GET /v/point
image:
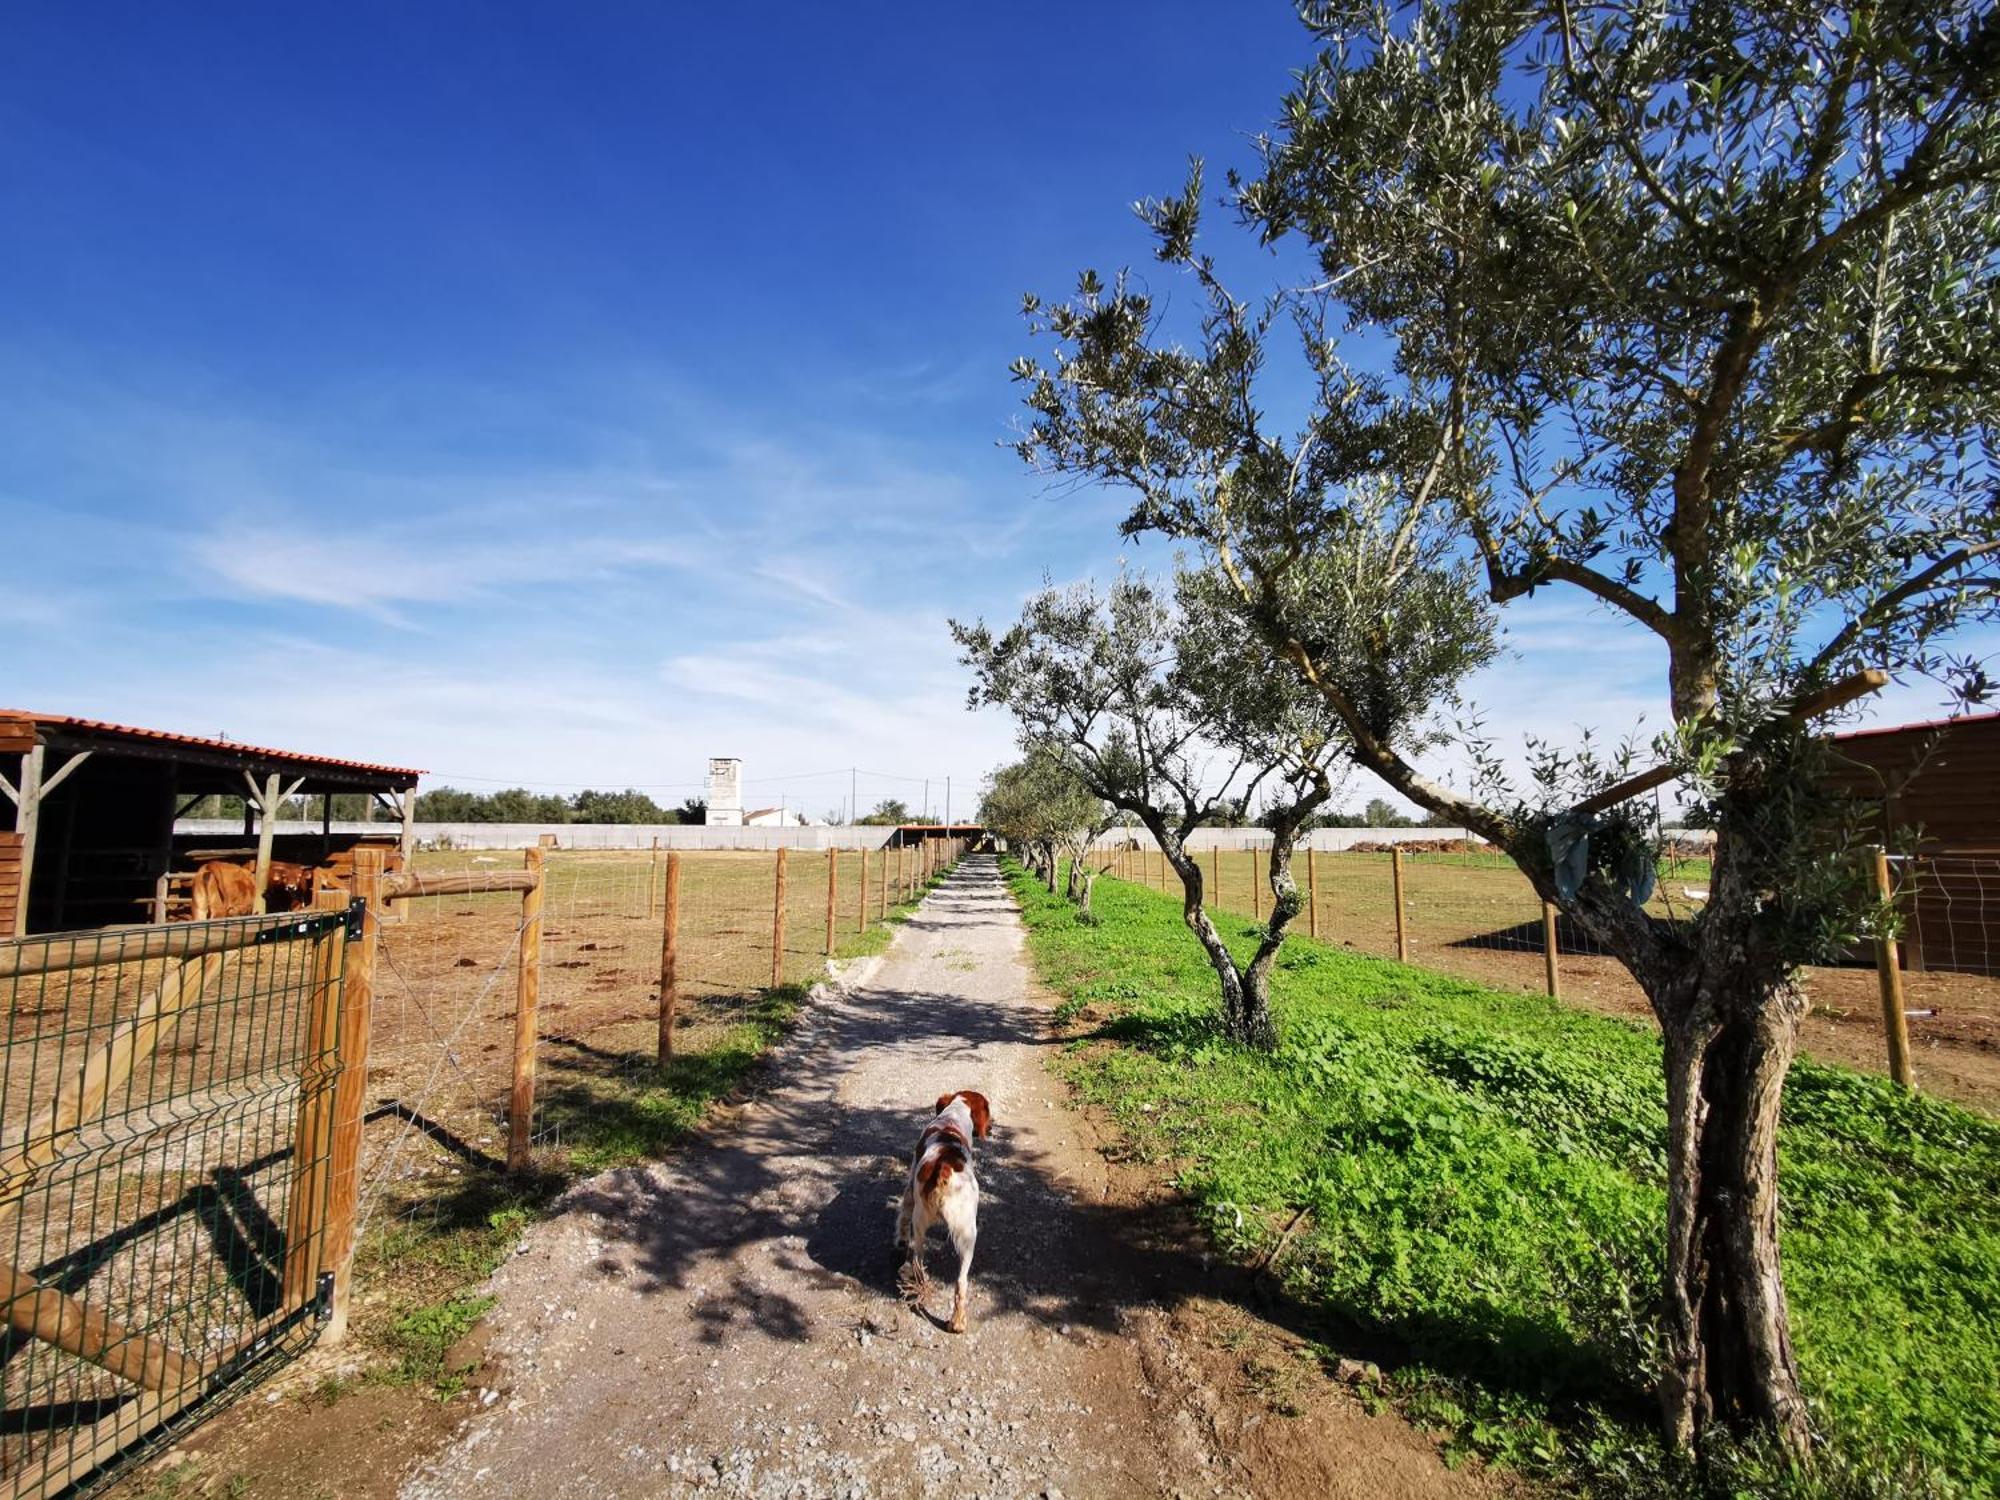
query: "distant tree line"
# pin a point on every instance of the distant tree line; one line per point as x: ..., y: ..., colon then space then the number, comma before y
x: 516, y: 804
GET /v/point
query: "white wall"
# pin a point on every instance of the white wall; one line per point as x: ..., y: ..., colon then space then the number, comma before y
x: 574, y: 835
x: 1260, y: 838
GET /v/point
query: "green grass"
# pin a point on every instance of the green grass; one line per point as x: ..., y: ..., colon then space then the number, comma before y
x: 1482, y: 1175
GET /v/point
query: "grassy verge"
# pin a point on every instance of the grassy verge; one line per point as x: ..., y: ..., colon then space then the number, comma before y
x: 419, y: 1269
x: 1472, y: 1184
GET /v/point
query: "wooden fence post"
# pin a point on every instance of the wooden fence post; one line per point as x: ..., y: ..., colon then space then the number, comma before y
x: 778, y: 921
x: 670, y: 939
x: 312, y: 1137
x: 653, y: 878
x: 527, y: 1020
x: 1257, y: 886
x: 1312, y: 890
x: 882, y: 895
x: 832, y: 894
x: 861, y: 897
x: 1549, y: 949
x: 350, y: 1090
x: 1889, y: 970
x: 1215, y: 868
x: 1396, y: 884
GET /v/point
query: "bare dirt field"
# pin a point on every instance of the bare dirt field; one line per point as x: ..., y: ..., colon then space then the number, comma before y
x: 1476, y: 916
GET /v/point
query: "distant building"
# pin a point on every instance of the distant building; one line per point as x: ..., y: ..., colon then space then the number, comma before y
x: 775, y: 817
x: 725, y: 792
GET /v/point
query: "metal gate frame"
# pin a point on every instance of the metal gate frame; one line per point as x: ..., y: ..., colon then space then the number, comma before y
x: 147, y: 1123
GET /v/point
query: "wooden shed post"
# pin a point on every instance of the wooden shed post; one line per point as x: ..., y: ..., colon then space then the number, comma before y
x: 266, y: 798
x: 27, y: 815
x: 1396, y: 891
x: 527, y: 1020
x: 1889, y: 972
x: 350, y: 1090
x: 406, y: 841
x: 778, y: 920
x: 670, y: 957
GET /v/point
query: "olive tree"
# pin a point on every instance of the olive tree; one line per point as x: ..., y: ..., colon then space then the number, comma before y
x: 1042, y: 807
x: 1689, y: 310
x: 1149, y: 701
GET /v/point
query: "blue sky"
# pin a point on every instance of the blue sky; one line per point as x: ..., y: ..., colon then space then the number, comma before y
x: 564, y: 394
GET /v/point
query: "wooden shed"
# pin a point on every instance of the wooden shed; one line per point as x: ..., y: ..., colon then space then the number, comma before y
x: 95, y: 806
x: 1939, y: 780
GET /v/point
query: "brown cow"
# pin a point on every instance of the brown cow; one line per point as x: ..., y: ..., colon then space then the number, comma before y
x: 222, y: 889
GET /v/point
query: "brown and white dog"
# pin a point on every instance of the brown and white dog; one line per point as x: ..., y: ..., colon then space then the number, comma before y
x: 942, y: 1189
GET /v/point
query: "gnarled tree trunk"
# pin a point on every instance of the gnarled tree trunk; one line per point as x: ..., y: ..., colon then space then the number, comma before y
x: 1728, y: 1347
x: 1729, y: 1015
x: 1239, y: 1023
x: 1286, y: 904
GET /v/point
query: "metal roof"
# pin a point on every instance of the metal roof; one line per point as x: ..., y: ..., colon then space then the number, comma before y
x: 164, y: 738
x: 1860, y: 734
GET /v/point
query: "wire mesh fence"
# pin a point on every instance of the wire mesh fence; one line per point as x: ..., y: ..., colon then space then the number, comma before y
x: 200, y: 1121
x: 642, y: 957
x: 165, y: 1144
x: 1468, y: 911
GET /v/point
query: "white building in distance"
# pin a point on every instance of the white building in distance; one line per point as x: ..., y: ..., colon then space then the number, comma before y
x: 725, y: 792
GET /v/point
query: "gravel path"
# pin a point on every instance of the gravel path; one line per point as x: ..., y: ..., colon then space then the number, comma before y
x: 727, y: 1322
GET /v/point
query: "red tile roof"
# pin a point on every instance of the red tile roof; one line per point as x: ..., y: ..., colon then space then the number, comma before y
x: 202, y: 742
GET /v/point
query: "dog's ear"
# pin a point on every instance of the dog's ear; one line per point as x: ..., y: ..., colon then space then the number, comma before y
x: 943, y: 1100
x: 982, y: 1113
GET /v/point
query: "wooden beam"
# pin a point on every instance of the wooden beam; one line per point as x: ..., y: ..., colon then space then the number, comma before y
x: 126, y: 945
x: 312, y: 1136
x: 62, y: 774
x: 57, y: 1318
x: 350, y: 1092
x: 404, y: 884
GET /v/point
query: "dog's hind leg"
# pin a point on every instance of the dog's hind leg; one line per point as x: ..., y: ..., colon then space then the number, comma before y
x: 961, y: 1219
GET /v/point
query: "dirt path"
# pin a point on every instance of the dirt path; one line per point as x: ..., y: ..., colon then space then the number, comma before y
x: 727, y: 1323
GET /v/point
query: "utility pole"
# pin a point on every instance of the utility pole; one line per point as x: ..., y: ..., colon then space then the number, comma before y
x: 853, y: 797
x: 927, y: 799
x: 947, y: 804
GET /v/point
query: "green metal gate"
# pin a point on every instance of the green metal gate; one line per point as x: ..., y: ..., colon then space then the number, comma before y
x: 167, y: 1109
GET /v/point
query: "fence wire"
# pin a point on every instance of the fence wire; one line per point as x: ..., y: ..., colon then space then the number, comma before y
x: 161, y: 1206
x: 1468, y: 911
x: 448, y: 979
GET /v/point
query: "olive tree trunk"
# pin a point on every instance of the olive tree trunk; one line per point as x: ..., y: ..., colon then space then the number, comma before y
x: 1727, y: 1333
x: 1729, y: 1013
x: 1238, y: 1022
x: 1286, y: 904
